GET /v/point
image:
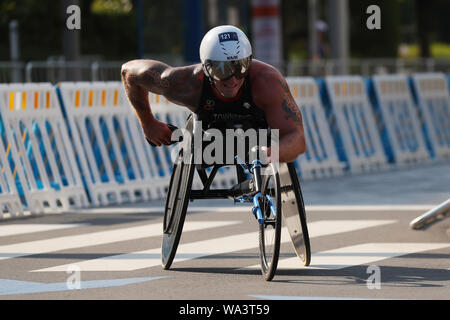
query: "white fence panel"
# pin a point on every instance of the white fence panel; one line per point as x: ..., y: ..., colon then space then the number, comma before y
x: 9, y: 195
x: 40, y: 147
x: 400, y: 117
x: 433, y: 98
x: 10, y: 202
x: 356, y: 123
x: 111, y: 147
x: 320, y: 159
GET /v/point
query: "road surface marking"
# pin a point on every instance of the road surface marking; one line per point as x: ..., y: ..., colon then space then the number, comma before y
x: 248, y: 208
x: 144, y: 210
x: 98, y: 238
x: 152, y: 258
x: 9, y: 287
x: 16, y: 229
x: 388, y: 207
x: 356, y: 255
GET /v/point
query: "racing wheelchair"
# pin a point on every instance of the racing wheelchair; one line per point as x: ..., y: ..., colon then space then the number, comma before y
x: 275, y: 195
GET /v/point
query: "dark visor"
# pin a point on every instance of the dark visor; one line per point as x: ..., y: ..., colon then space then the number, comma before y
x: 222, y: 70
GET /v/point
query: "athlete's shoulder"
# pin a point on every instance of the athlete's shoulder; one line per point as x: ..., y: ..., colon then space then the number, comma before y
x: 185, y: 85
x: 263, y: 75
x: 179, y: 75
x: 264, y: 79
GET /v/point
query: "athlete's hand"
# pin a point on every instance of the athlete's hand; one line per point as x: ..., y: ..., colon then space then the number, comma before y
x: 158, y: 133
x: 265, y: 154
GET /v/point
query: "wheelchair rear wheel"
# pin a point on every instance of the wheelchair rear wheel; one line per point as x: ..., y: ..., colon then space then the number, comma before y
x: 176, y: 204
x: 175, y: 210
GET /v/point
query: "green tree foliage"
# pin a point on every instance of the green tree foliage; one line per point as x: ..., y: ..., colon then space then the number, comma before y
x: 112, y: 7
x: 295, y: 28
x: 107, y: 30
x: 375, y: 43
x: 163, y: 27
x: 109, y: 27
x: 39, y: 31
x: 440, y: 22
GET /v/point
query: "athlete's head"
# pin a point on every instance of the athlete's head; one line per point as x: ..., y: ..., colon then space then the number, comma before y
x: 226, y: 55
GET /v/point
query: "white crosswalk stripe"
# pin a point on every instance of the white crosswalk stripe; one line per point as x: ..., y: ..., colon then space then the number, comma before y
x: 19, y: 229
x: 356, y: 255
x: 97, y: 238
x: 368, y: 253
x: 151, y: 258
x: 334, y: 259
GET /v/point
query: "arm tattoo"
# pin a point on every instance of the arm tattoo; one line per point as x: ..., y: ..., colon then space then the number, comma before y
x: 285, y: 87
x: 289, y: 107
x: 291, y: 111
x: 185, y: 86
x: 155, y: 77
x: 180, y: 85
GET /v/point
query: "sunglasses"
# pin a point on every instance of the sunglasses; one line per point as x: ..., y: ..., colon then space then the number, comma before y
x: 224, y: 70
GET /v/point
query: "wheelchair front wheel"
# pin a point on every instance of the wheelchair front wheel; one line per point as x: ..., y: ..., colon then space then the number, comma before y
x: 270, y: 229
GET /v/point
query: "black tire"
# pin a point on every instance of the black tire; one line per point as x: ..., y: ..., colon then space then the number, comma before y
x: 175, y: 211
x: 270, y: 230
x: 176, y: 204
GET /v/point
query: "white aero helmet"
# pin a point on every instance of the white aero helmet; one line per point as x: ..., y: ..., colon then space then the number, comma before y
x: 225, y: 51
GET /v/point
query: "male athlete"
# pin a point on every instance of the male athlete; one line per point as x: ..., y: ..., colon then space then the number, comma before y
x: 227, y: 86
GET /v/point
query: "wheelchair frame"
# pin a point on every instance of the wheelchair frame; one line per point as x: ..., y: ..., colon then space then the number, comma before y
x: 292, y: 206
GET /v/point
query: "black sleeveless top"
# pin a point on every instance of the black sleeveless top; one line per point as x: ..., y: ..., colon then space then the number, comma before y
x: 238, y: 112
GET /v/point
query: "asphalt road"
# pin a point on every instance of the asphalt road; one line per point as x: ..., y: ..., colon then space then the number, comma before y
x: 360, y: 250
x: 356, y: 253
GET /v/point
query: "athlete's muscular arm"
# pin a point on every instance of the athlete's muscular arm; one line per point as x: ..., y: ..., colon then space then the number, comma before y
x: 180, y: 85
x: 272, y: 94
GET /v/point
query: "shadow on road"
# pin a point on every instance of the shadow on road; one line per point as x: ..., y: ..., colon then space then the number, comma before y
x: 391, y: 276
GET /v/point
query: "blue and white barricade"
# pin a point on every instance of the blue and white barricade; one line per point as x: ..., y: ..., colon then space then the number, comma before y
x: 320, y: 158
x: 431, y: 91
x: 36, y: 135
x: 116, y: 161
x: 353, y: 124
x: 10, y: 201
x: 402, y: 134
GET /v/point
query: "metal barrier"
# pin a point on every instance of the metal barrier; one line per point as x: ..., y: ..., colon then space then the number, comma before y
x: 320, y: 159
x: 11, y: 72
x: 57, y: 71
x: 60, y: 70
x: 432, y: 96
x: 353, y: 124
x: 94, y: 69
x: 106, y: 70
x: 402, y: 138
x: 364, y: 67
x: 36, y: 135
